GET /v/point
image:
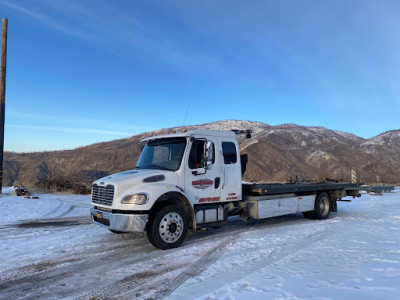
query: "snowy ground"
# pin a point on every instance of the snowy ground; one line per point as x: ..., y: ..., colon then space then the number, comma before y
x: 50, y: 250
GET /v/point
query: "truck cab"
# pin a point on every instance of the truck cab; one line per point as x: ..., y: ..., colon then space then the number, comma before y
x: 181, y: 181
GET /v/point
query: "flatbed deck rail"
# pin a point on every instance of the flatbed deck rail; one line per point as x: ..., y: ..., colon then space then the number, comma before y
x: 259, y: 189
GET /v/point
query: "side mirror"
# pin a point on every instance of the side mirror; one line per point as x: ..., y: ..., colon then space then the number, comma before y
x: 207, y: 159
x: 209, y: 154
x: 199, y: 171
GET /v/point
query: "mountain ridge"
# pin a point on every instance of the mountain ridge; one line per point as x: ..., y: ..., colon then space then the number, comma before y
x: 277, y: 153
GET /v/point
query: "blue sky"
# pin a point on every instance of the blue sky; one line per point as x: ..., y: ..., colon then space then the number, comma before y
x: 87, y: 71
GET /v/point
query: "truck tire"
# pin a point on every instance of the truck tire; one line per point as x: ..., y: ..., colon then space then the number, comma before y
x: 322, y: 208
x: 167, y: 228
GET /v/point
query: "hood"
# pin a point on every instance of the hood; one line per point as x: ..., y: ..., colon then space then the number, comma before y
x: 133, y: 176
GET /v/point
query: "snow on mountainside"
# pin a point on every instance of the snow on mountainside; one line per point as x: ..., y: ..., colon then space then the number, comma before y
x: 349, y: 136
x: 300, y: 134
x: 387, y: 138
x: 385, y: 148
x: 257, y: 127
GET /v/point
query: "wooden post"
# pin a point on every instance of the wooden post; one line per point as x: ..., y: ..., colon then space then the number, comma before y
x: 353, y: 176
x: 3, y: 95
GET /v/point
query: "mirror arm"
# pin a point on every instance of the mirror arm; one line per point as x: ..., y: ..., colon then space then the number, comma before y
x: 195, y: 172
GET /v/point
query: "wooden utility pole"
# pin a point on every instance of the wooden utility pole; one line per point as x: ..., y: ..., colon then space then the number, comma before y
x: 3, y: 95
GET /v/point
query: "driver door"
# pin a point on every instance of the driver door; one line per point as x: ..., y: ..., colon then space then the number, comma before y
x: 202, y: 180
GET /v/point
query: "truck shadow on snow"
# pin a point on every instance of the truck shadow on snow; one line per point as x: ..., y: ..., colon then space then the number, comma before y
x: 233, y: 227
x: 236, y: 226
x: 55, y: 222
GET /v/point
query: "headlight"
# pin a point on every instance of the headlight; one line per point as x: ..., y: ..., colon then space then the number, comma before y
x: 135, y: 199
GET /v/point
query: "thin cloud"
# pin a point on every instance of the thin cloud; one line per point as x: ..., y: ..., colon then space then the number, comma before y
x: 72, y: 130
x: 80, y: 121
x: 53, y: 23
x: 129, y: 33
x: 126, y: 32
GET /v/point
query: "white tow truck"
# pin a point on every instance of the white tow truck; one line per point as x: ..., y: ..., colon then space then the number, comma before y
x: 193, y: 179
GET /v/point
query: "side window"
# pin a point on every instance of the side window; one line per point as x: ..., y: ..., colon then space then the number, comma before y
x: 229, y: 152
x: 196, y: 156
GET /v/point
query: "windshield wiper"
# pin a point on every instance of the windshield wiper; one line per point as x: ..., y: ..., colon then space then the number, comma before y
x: 156, y: 167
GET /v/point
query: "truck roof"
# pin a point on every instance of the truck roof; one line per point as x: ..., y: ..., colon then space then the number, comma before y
x: 189, y: 133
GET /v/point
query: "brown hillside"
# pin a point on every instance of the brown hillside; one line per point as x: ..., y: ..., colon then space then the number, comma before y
x: 276, y: 154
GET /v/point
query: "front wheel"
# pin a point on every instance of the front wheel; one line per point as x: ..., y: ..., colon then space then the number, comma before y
x: 167, y: 228
x: 322, y: 208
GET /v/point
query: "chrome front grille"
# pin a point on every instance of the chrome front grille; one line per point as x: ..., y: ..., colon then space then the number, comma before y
x: 103, y: 194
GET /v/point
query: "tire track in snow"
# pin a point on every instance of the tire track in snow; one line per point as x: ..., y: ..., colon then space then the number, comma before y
x: 70, y: 209
x: 200, y: 265
x: 34, y: 278
x: 61, y: 203
x: 195, y: 269
x: 130, y: 282
x: 205, y: 261
x: 137, y: 284
x: 108, y: 244
x: 279, y: 253
x: 32, y: 269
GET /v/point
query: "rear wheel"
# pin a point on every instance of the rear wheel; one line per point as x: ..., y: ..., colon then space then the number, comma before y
x: 322, y: 208
x: 167, y: 228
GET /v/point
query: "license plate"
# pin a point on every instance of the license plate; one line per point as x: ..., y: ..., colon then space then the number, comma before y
x: 99, y: 214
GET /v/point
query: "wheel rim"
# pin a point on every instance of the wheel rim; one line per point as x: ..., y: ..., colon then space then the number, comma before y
x: 324, y: 206
x: 171, y: 227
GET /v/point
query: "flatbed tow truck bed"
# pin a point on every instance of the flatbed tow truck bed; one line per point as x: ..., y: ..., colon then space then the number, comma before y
x: 271, y: 200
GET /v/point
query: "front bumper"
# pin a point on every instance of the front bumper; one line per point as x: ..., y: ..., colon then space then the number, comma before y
x: 119, y: 222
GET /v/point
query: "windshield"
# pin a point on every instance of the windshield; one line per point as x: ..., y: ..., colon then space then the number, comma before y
x: 164, y: 154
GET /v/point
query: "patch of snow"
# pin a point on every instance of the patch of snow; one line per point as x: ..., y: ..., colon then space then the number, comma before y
x: 9, y: 190
x: 353, y: 255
